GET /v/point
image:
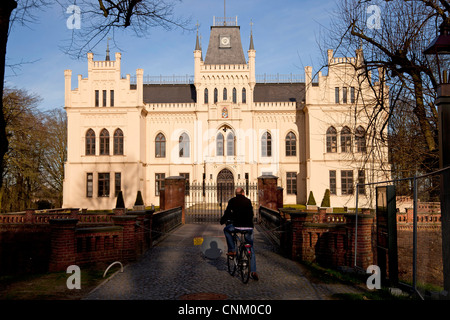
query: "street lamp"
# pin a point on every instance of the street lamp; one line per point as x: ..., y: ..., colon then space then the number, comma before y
x: 439, y: 52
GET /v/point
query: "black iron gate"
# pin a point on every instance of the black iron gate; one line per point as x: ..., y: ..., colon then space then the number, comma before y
x: 205, y: 203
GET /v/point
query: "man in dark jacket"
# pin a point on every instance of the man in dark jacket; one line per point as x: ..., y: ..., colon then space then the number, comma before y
x: 239, y: 214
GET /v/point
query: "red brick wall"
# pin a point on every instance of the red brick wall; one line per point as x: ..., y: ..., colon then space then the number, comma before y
x: 62, y: 243
x: 59, y: 240
x: 24, y: 249
x: 429, y: 253
x: 98, y: 245
x: 327, y: 238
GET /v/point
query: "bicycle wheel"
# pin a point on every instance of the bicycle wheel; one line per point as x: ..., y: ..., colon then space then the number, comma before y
x: 244, y: 263
x: 231, y: 262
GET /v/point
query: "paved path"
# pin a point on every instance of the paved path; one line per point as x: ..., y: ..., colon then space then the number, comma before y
x: 177, y: 267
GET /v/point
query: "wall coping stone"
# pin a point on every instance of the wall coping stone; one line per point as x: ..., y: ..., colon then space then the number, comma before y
x: 99, y: 229
x: 126, y: 217
x: 360, y: 215
x: 324, y: 225
x: 301, y: 213
x: 175, y: 178
x: 268, y: 177
x: 63, y: 221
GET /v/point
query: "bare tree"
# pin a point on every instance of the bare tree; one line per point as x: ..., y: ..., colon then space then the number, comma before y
x: 54, y: 154
x: 393, y: 35
x: 102, y: 17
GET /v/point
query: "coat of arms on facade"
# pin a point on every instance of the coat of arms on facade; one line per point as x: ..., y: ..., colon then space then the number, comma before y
x: 225, y: 112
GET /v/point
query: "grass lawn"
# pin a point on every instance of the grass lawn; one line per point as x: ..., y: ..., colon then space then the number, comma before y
x: 51, y: 286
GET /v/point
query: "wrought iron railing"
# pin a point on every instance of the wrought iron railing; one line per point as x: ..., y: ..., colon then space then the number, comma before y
x: 225, y: 21
x: 189, y: 79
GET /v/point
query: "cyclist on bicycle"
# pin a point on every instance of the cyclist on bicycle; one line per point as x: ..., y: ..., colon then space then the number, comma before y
x: 239, y: 214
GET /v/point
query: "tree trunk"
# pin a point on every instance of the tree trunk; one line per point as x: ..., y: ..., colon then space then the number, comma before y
x: 421, y: 114
x: 6, y: 7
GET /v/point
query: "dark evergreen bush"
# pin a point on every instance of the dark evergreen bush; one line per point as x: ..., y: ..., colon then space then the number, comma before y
x: 120, y: 203
x: 311, y: 200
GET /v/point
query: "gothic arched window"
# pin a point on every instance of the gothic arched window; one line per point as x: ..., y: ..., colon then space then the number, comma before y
x: 90, y: 143
x: 291, y: 144
x: 160, y: 146
x: 266, y: 144
x: 104, y: 142
x: 234, y: 95
x: 219, y: 144
x: 206, y: 95
x: 244, y: 95
x: 118, y: 142
x: 346, y: 140
x: 231, y: 144
x: 360, y: 139
x: 184, y: 146
x: 331, y: 140
x: 216, y: 95
x: 225, y: 96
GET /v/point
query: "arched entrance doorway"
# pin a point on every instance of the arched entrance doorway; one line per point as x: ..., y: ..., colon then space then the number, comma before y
x: 225, y: 186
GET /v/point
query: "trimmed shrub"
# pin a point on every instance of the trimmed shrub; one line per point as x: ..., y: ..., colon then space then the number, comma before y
x: 326, y: 199
x: 120, y: 203
x: 139, y: 201
x: 311, y: 200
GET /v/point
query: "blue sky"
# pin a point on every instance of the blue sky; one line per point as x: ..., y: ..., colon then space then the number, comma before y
x: 285, y: 36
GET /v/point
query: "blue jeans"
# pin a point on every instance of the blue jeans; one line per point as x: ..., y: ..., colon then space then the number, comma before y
x: 248, y: 238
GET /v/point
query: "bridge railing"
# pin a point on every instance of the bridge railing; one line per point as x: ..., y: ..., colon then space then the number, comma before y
x: 164, y: 222
x: 277, y: 227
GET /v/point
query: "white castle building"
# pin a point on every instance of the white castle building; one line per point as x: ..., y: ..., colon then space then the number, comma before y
x: 224, y: 124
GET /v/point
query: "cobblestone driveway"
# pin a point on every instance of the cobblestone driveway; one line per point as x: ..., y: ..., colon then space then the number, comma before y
x: 177, y: 267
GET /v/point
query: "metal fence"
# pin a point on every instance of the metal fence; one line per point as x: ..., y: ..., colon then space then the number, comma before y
x: 206, y: 202
x: 418, y: 232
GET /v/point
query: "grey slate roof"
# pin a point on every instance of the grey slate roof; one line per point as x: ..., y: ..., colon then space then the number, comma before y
x: 217, y: 55
x: 185, y: 93
x: 279, y: 92
x: 169, y: 93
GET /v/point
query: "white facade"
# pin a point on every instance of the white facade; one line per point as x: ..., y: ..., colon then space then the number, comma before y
x: 267, y: 128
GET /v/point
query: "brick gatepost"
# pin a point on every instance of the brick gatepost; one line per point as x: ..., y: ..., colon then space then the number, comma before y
x: 162, y: 200
x: 143, y: 235
x: 29, y: 213
x: 63, y: 244
x: 119, y: 211
x: 280, y: 197
x: 74, y: 213
x: 364, y: 256
x: 300, y: 242
x: 174, y: 194
x: 267, y: 192
x: 129, y: 248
